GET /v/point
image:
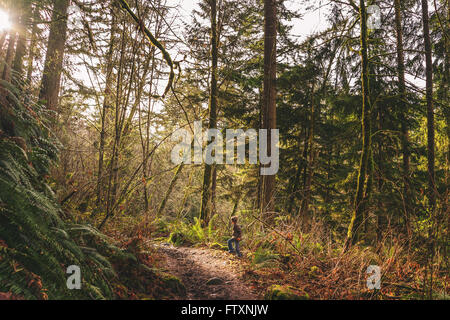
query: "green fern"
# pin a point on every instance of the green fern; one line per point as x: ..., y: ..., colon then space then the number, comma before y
x: 36, y: 246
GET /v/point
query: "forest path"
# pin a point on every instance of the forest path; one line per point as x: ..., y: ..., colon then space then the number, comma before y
x: 206, y: 273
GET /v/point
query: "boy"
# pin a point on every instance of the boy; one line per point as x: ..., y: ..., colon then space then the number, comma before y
x: 237, y: 233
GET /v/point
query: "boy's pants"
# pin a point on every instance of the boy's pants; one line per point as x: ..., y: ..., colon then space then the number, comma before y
x: 230, y: 246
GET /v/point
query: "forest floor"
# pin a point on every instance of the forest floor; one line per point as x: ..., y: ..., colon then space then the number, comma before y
x: 207, y: 274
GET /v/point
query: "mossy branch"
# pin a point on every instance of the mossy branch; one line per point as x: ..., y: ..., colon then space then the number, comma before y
x: 154, y: 42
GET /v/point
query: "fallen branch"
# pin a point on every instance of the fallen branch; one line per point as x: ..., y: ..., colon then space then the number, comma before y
x: 402, y: 286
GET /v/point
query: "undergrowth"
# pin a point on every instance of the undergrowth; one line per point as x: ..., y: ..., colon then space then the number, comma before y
x: 36, y: 243
x: 314, y: 261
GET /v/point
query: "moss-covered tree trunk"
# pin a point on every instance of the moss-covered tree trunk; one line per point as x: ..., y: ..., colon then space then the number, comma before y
x: 24, y: 21
x: 51, y: 78
x: 187, y: 192
x: 213, y: 191
x: 236, y: 202
x: 430, y: 108
x: 33, y: 43
x: 430, y: 145
x: 447, y: 111
x: 359, y: 204
x: 6, y: 73
x: 269, y: 119
x: 205, y: 209
x: 2, y: 41
x: 169, y: 190
x: 107, y: 104
x: 403, y: 105
x: 309, y: 167
x: 113, y: 174
x: 295, y: 180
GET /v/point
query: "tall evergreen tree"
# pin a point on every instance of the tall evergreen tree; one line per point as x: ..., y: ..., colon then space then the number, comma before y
x: 206, y: 201
x: 354, y: 229
x: 269, y: 119
x: 51, y: 77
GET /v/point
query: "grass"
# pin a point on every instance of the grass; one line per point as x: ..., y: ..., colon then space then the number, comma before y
x: 312, y: 262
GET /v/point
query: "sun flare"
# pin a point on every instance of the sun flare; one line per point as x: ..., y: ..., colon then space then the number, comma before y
x: 5, y: 23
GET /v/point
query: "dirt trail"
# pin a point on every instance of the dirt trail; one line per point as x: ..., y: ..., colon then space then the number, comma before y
x: 198, y: 266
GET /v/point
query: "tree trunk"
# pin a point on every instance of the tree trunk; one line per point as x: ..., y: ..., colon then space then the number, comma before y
x: 309, y: 168
x: 213, y: 191
x: 403, y: 112
x: 269, y: 95
x: 6, y: 74
x: 430, y: 139
x: 113, y: 183
x: 32, y: 48
x: 294, y: 181
x: 107, y: 104
x: 447, y: 114
x: 430, y: 109
x: 187, y: 192
x: 236, y: 202
x: 359, y: 205
x: 169, y: 190
x: 205, y: 209
x: 24, y: 21
x: 146, y: 142
x: 51, y: 79
x: 381, y: 212
x: 2, y: 41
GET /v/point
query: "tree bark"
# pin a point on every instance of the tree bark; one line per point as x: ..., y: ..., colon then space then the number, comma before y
x: 213, y: 191
x: 359, y: 205
x: 430, y: 108
x: 120, y: 109
x: 6, y: 74
x: 430, y: 140
x: 447, y: 114
x: 2, y: 41
x: 295, y: 180
x: 24, y: 22
x: 403, y: 112
x: 269, y: 95
x: 162, y: 206
x: 205, y: 209
x: 309, y: 168
x: 32, y: 48
x: 107, y: 104
x: 51, y: 79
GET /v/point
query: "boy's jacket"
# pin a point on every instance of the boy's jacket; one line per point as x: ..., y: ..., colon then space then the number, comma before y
x: 237, y: 232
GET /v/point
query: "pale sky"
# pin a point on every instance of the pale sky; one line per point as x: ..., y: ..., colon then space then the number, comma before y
x: 311, y: 22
